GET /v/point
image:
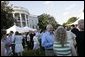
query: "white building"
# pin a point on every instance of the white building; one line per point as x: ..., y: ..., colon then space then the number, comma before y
x: 24, y: 18
x: 33, y: 21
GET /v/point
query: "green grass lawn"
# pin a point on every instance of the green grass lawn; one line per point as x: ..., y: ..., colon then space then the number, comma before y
x: 38, y: 52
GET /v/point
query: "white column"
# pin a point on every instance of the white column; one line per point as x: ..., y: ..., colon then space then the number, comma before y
x: 25, y: 20
x: 28, y: 21
x: 21, y: 19
x: 13, y: 15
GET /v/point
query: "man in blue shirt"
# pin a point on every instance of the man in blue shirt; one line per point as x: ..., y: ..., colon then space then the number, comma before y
x: 47, y: 40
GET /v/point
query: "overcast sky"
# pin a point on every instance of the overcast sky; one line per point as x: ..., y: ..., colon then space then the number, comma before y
x: 60, y: 10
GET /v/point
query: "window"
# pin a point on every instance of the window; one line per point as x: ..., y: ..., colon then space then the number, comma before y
x: 27, y: 17
x: 18, y: 23
x: 23, y: 17
x: 17, y: 16
x: 24, y: 24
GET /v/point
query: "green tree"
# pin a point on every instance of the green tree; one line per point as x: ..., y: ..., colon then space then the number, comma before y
x: 64, y: 24
x: 71, y: 20
x: 7, y: 19
x: 45, y: 19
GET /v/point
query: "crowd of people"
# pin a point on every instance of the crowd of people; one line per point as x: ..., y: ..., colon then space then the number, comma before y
x: 58, y: 42
x: 13, y: 44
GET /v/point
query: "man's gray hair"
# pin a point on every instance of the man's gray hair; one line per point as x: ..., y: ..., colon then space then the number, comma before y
x: 80, y: 21
x: 81, y: 24
x: 49, y: 26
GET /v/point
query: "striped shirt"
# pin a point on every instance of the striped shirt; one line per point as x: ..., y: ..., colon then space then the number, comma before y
x: 62, y: 51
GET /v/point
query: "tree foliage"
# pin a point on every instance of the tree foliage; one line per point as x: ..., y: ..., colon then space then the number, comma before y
x: 7, y: 19
x: 71, y: 20
x: 45, y: 19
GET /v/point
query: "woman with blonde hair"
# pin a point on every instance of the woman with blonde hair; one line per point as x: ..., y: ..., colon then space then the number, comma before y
x: 61, y: 46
